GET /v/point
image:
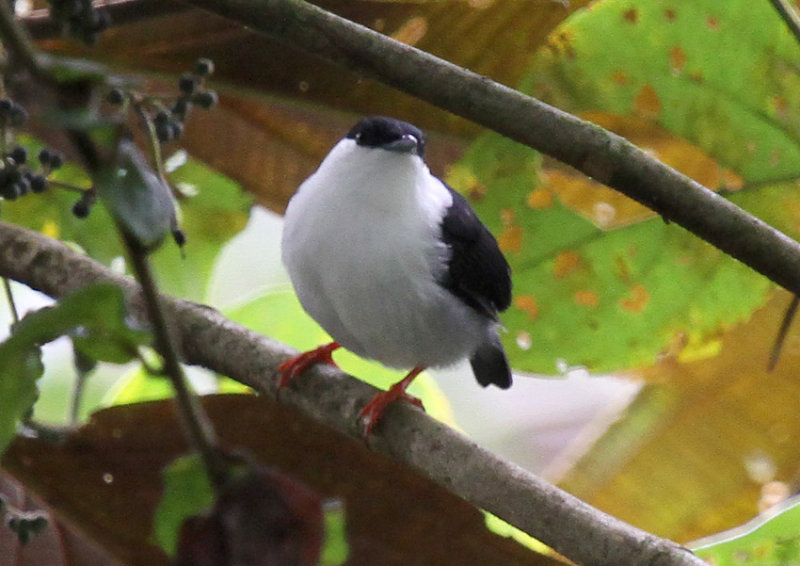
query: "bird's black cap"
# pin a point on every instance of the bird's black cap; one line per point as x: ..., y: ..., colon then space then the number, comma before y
x: 388, y: 133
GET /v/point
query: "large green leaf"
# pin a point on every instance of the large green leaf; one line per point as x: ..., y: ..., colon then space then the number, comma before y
x: 95, y: 319
x: 773, y: 540
x: 612, y: 299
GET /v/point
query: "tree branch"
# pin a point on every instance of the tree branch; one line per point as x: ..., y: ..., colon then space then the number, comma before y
x: 206, y: 338
x: 602, y: 155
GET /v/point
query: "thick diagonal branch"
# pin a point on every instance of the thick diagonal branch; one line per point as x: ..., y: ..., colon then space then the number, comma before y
x: 604, y: 156
x: 555, y: 517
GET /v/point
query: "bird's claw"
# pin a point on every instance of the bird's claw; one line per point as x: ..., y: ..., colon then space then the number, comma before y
x: 296, y: 365
x: 373, y: 411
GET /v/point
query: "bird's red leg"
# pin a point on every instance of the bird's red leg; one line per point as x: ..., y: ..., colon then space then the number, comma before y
x: 293, y: 367
x: 373, y: 411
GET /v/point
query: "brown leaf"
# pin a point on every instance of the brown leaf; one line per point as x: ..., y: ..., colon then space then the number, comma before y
x: 57, y: 544
x: 707, y: 441
x: 107, y: 479
x: 282, y: 109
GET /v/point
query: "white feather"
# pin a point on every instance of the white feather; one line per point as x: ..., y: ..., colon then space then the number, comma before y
x: 362, y: 244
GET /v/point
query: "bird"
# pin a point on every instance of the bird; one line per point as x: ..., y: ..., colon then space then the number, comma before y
x: 394, y: 264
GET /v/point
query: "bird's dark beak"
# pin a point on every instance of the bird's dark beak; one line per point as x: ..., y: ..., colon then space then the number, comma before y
x: 406, y: 144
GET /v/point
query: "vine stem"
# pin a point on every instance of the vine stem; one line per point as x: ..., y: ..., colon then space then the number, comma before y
x: 196, y: 423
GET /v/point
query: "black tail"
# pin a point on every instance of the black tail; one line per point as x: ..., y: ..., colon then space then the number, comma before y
x: 490, y: 365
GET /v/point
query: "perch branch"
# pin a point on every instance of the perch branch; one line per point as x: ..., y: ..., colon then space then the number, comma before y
x: 206, y: 338
x: 604, y: 156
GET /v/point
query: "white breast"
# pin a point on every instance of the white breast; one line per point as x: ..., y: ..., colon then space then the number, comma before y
x: 361, y: 244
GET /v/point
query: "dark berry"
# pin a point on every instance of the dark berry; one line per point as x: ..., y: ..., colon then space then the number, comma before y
x: 5, y: 106
x: 206, y: 99
x: 9, y: 191
x: 17, y: 115
x: 164, y: 131
x: 181, y: 107
x: 115, y: 96
x: 177, y: 129
x: 161, y: 117
x: 19, y: 154
x: 23, y: 186
x: 81, y: 208
x: 203, y: 67
x: 187, y: 83
x: 56, y: 160
x: 38, y: 184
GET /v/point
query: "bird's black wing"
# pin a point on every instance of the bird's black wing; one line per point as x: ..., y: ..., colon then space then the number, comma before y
x: 477, y: 272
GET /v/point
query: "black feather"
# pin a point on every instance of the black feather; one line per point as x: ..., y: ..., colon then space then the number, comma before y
x: 477, y: 273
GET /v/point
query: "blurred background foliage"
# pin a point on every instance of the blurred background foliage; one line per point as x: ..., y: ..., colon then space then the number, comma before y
x: 688, y: 433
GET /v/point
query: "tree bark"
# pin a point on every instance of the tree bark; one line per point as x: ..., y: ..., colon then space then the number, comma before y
x: 560, y: 520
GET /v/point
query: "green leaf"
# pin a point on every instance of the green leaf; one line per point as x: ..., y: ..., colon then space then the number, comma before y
x: 95, y: 319
x: 187, y: 492
x: 216, y: 212
x: 138, y: 386
x: 603, y: 299
x: 20, y: 367
x: 612, y: 299
x: 335, y: 548
x: 136, y: 197
x: 774, y: 540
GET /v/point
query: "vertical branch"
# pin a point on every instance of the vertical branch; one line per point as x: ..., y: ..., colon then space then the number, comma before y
x: 197, y: 425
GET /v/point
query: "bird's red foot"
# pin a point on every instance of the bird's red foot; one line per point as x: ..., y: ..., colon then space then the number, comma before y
x: 373, y: 411
x: 293, y: 367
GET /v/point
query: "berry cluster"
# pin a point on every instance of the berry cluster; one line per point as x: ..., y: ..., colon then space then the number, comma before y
x: 17, y: 176
x: 80, y: 19
x: 169, y: 121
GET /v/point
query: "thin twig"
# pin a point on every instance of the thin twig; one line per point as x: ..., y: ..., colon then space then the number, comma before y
x: 783, y: 331
x: 198, y: 426
x: 788, y: 15
x: 12, y: 306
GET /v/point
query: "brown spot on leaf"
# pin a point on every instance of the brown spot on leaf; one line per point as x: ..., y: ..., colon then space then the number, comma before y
x: 527, y: 304
x: 731, y: 181
x: 540, y: 199
x: 631, y: 15
x: 637, y: 300
x: 712, y: 23
x: 677, y: 59
x: 620, y: 77
x: 696, y: 76
x: 670, y: 14
x: 566, y: 263
x: 586, y: 298
x: 774, y: 157
x: 412, y: 31
x: 622, y: 270
x: 647, y: 104
x: 510, y: 240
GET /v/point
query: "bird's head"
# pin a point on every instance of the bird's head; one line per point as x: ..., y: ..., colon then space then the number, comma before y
x: 388, y: 134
